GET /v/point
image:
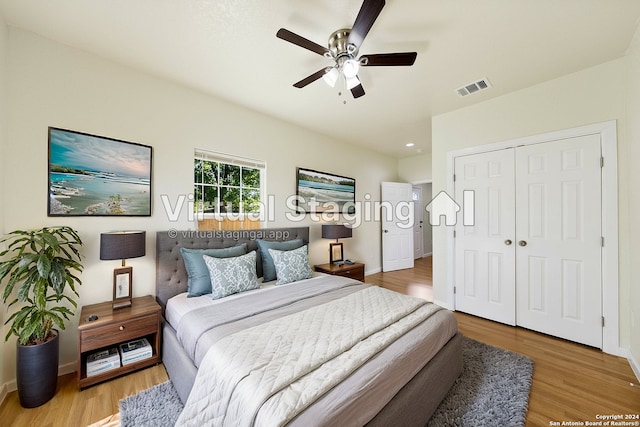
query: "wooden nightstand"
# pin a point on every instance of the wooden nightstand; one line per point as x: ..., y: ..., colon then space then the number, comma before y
x: 114, y: 327
x: 354, y: 271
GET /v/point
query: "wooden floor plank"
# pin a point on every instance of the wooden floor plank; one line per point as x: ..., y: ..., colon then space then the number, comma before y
x: 571, y: 382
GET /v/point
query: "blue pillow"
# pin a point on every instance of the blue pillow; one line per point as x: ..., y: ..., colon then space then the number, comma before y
x: 199, y: 282
x: 232, y: 275
x: 268, y: 269
x: 291, y: 266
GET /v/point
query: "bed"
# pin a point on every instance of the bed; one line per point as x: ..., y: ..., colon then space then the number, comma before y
x: 396, y: 380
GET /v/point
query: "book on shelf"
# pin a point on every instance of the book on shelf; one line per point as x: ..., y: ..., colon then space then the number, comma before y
x: 103, y: 361
x: 135, y: 351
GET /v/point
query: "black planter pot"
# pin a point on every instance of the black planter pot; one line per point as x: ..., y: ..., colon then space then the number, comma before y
x: 37, y: 372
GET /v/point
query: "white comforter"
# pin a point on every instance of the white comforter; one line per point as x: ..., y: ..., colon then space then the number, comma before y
x: 269, y: 373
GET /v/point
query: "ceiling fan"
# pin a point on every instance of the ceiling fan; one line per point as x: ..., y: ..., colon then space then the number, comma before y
x: 343, y: 49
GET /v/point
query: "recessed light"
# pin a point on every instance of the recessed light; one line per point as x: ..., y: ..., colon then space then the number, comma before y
x: 409, y: 144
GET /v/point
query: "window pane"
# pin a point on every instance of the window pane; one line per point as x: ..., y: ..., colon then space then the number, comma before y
x: 209, y: 172
x: 230, y: 198
x: 210, y: 199
x: 229, y: 175
x: 251, y: 177
x: 251, y: 201
x: 197, y: 197
x: 197, y: 171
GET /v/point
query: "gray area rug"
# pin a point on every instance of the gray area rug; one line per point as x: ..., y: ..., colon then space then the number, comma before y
x: 493, y: 390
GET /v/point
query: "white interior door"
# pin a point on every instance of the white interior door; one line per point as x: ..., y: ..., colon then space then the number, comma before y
x: 558, y: 200
x: 397, y: 227
x: 484, y: 254
x: 418, y: 234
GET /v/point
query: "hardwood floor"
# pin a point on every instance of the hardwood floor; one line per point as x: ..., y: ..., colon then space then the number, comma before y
x: 571, y: 382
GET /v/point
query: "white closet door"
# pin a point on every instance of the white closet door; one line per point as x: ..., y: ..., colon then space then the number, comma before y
x: 484, y: 254
x: 558, y: 266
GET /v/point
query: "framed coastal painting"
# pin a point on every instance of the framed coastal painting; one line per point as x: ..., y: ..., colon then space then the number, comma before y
x: 92, y: 175
x: 322, y: 192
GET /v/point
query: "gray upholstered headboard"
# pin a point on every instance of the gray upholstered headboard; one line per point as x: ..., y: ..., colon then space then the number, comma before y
x: 171, y: 276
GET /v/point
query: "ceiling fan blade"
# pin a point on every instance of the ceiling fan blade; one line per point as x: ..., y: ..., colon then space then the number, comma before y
x: 368, y: 14
x: 357, y: 91
x: 404, y: 58
x: 312, y: 78
x: 287, y: 35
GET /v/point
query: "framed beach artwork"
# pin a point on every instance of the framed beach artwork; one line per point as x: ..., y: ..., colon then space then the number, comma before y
x: 322, y: 192
x: 92, y: 175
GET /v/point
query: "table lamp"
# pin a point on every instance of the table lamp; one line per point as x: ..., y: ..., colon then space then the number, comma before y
x: 336, y: 231
x: 122, y: 245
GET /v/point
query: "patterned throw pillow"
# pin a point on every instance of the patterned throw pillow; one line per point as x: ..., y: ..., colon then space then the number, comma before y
x: 198, y: 281
x: 292, y: 265
x: 268, y: 269
x: 232, y: 275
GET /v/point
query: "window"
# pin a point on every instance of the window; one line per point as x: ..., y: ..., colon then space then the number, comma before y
x: 226, y: 184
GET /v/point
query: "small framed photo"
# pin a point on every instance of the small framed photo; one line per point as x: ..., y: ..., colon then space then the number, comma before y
x: 335, y: 253
x: 122, y: 286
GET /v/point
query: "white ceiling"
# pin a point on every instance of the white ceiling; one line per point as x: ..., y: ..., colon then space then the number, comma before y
x: 228, y: 48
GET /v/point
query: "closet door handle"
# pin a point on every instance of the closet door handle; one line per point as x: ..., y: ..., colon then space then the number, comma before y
x: 508, y: 242
x: 522, y: 243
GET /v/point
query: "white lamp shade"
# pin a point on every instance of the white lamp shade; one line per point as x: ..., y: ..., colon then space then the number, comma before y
x: 350, y: 68
x: 331, y: 77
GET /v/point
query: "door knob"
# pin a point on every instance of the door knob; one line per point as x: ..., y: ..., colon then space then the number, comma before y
x: 522, y: 243
x: 386, y: 231
x: 507, y: 242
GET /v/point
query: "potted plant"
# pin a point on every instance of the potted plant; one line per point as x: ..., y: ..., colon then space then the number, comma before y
x: 37, y: 270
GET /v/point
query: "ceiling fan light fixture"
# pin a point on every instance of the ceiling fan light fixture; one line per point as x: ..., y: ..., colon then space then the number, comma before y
x: 350, y: 68
x: 343, y: 48
x: 331, y: 77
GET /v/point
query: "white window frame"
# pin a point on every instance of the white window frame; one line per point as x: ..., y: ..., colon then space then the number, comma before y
x: 230, y: 159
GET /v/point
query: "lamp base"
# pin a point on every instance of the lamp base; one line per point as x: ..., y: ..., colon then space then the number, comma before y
x: 121, y: 304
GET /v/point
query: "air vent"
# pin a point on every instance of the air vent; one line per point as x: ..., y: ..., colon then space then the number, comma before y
x: 474, y: 87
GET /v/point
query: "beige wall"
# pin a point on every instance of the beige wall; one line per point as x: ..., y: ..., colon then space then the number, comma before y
x: 415, y: 169
x: 589, y: 96
x: 633, y: 154
x: 54, y: 85
x: 4, y: 35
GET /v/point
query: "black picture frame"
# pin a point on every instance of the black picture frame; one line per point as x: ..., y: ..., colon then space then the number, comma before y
x: 91, y: 175
x: 335, y: 253
x: 323, y: 192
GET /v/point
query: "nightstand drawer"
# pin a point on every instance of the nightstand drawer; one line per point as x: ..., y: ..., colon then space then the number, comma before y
x: 354, y: 271
x: 113, y: 333
x: 351, y: 272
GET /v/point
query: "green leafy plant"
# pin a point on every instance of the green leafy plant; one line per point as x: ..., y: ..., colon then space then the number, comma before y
x: 39, y: 266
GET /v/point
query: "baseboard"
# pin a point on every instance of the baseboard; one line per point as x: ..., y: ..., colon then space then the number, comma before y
x: 10, y: 386
x: 373, y: 271
x: 4, y: 391
x: 427, y: 255
x: 68, y: 368
x: 635, y: 366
